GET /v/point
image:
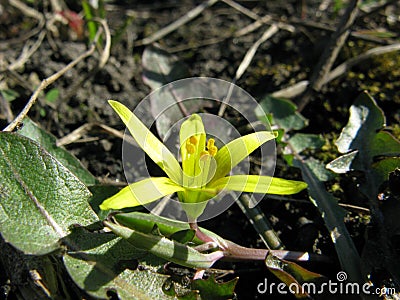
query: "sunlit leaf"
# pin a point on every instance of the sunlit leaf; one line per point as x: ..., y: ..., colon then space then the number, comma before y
x: 39, y: 198
x: 100, y: 263
x: 210, y: 289
x: 48, y: 142
x: 282, y: 112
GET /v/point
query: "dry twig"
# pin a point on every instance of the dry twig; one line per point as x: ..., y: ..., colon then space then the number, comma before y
x: 190, y: 15
x: 348, y: 64
x: 299, y: 87
x: 331, y: 52
x: 27, y: 52
x: 77, y: 134
x: 44, y: 84
x: 246, y: 62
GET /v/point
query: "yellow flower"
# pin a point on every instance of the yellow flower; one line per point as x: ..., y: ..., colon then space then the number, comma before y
x: 204, y: 167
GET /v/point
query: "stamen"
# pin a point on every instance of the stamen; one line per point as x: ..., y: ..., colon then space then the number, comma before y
x: 210, y: 143
x: 212, y: 149
x: 193, y: 140
x: 190, y: 148
x: 203, y: 153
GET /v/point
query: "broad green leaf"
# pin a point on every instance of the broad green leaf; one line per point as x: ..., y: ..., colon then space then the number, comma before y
x: 283, y: 113
x: 302, y: 141
x: 235, y: 151
x: 363, y: 133
x: 382, y: 145
x: 104, y: 262
x: 210, y: 289
x: 318, y: 168
x: 141, y: 193
x: 150, y: 144
x: 39, y: 198
x: 292, y: 274
x: 366, y: 118
x: 382, y: 168
x: 258, y: 184
x: 165, y: 248
x: 48, y: 142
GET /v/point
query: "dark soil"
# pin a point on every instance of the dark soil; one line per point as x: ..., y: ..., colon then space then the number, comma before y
x: 286, y: 58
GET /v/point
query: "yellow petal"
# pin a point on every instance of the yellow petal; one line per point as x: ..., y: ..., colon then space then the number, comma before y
x: 235, y: 151
x: 141, y: 192
x: 150, y: 144
x: 258, y: 184
x: 192, y: 138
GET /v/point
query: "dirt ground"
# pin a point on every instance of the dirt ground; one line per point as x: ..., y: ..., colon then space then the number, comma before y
x: 210, y: 46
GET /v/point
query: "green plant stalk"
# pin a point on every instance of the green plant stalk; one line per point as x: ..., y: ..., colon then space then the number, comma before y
x: 260, y: 223
x: 144, y: 224
x: 92, y: 26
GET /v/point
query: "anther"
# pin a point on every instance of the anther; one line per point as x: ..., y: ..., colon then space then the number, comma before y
x: 210, y: 143
x: 193, y: 140
x: 190, y: 148
x: 213, y: 150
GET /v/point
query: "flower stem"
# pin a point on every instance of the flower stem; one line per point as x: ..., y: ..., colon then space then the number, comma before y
x: 201, y: 235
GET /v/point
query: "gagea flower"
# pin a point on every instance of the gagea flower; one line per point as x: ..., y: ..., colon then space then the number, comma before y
x: 205, y: 169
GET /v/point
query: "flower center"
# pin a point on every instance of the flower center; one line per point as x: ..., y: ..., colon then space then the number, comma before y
x: 198, y: 162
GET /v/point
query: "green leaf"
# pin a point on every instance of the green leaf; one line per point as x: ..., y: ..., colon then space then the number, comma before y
x: 150, y: 144
x: 283, y: 113
x: 9, y: 95
x: 318, y: 168
x: 165, y: 248
x: 141, y: 193
x: 48, y: 142
x: 301, y: 141
x: 235, y: 151
x: 183, y: 236
x: 333, y: 216
x: 258, y: 184
x: 39, y: 198
x: 210, y: 289
x: 145, y: 223
x: 99, y: 194
x: 366, y: 118
x: 104, y: 262
x: 52, y: 95
x: 363, y: 133
x: 291, y: 274
x: 381, y: 169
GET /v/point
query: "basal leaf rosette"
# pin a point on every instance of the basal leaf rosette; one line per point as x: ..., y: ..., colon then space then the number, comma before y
x: 204, y: 171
